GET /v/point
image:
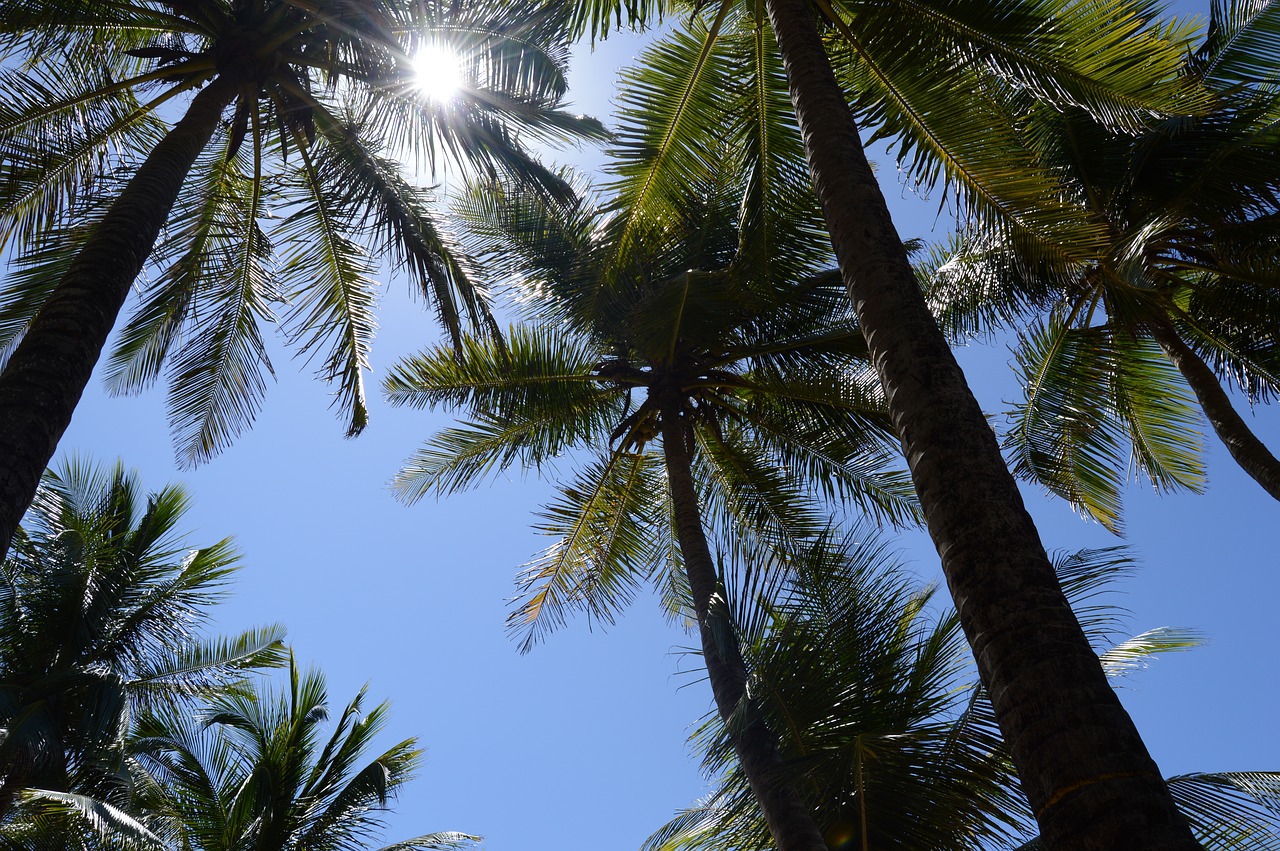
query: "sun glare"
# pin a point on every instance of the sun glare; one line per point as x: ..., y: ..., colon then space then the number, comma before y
x: 438, y: 72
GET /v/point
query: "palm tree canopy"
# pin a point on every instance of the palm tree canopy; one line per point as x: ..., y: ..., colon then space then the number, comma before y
x: 1190, y: 205
x: 873, y: 694
x: 256, y: 770
x: 925, y: 77
x: 101, y: 604
x: 288, y: 209
x: 765, y: 358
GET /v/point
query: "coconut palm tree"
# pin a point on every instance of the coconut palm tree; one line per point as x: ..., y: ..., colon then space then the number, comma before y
x: 883, y: 727
x: 101, y: 601
x: 716, y: 403
x: 1182, y: 295
x: 290, y: 116
x: 921, y: 69
x: 255, y: 770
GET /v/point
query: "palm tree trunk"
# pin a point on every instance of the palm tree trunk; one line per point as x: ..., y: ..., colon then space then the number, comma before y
x: 1249, y: 452
x: 1083, y: 766
x: 50, y: 368
x: 790, y: 821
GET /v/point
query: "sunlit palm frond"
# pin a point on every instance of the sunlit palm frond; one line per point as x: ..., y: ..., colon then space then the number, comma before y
x: 1064, y: 435
x: 781, y: 234
x: 203, y: 666
x: 524, y: 236
x: 603, y: 549
x: 1118, y: 59
x: 380, y: 203
x: 969, y: 145
x: 1241, y: 45
x: 445, y: 840
x: 1231, y: 810
x: 1135, y: 654
x: 666, y: 142
x: 213, y: 221
x: 58, y: 143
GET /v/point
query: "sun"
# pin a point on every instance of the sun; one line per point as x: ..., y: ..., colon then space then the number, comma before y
x: 437, y: 73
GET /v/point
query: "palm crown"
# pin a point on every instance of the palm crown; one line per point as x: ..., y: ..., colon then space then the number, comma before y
x: 255, y: 770
x: 1183, y: 284
x: 282, y: 202
x: 884, y: 727
x: 765, y: 384
x: 707, y: 358
x: 101, y: 601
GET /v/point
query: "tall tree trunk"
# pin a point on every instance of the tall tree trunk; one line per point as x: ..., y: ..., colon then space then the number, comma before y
x: 1083, y: 766
x: 50, y: 368
x: 790, y: 820
x: 1249, y: 452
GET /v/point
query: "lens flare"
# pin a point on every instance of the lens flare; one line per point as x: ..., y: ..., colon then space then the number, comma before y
x: 437, y: 73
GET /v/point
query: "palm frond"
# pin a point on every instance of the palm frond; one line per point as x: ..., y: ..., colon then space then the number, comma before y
x: 665, y: 145
x: 1241, y: 44
x: 603, y: 548
x: 1232, y: 810
x: 1064, y: 436
x: 213, y: 235
x: 113, y: 826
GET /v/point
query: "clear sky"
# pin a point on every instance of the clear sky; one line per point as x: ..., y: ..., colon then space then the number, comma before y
x: 581, y: 744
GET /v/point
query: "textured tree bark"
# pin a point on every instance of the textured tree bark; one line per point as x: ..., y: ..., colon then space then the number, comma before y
x: 1083, y: 766
x: 790, y: 821
x: 50, y: 368
x: 1249, y: 452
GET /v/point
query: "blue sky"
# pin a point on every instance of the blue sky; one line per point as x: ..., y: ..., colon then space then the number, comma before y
x: 581, y: 743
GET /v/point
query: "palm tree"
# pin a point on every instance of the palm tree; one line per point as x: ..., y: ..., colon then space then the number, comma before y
x: 265, y: 208
x: 255, y: 771
x: 883, y: 728
x: 871, y: 694
x: 1084, y: 768
x: 100, y: 602
x: 1182, y: 294
x: 716, y: 402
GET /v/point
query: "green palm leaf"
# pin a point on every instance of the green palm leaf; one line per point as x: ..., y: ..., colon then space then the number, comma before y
x: 602, y: 549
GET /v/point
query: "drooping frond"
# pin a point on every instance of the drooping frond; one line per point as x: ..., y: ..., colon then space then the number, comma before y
x: 602, y: 550
x: 214, y: 236
x: 530, y: 400
x: 1241, y: 45
x: 1091, y: 394
x: 377, y: 201
x: 328, y: 277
